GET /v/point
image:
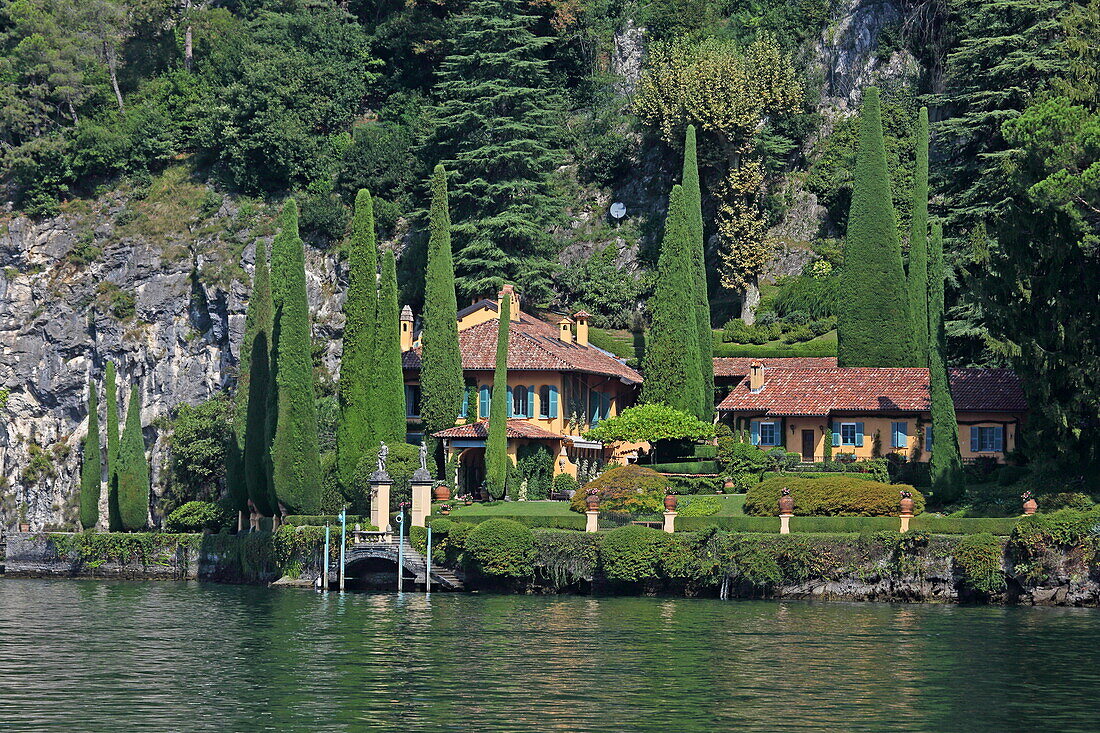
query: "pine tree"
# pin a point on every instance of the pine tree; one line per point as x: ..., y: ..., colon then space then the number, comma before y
x: 132, y: 474
x: 497, y: 126
x: 295, y: 456
x: 354, y: 433
x: 388, y: 398
x: 873, y: 324
x: 671, y: 375
x: 254, y: 391
x: 693, y: 200
x: 946, y: 463
x: 918, y: 244
x: 496, y: 445
x: 114, y: 520
x: 441, y: 385
x: 91, y: 470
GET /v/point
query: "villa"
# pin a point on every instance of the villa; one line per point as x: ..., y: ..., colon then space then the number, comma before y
x: 870, y: 411
x: 559, y: 385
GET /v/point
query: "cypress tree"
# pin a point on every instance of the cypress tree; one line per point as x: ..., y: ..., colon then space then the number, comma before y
x: 388, y: 399
x: 91, y: 471
x: 693, y: 200
x: 354, y: 432
x: 918, y: 244
x: 114, y: 521
x: 441, y: 385
x: 946, y: 463
x: 254, y: 391
x: 295, y: 455
x: 132, y: 474
x: 496, y: 445
x: 873, y: 324
x: 671, y: 375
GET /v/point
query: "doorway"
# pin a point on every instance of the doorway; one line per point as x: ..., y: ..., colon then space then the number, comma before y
x: 809, y: 440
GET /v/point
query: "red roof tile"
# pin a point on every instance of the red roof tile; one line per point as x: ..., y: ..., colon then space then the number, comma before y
x: 821, y: 391
x: 738, y: 366
x: 534, y: 345
x: 515, y: 429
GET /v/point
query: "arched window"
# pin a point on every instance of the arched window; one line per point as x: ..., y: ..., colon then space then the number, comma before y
x: 519, y: 402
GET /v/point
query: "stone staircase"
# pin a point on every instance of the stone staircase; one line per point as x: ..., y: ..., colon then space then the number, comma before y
x: 414, y: 562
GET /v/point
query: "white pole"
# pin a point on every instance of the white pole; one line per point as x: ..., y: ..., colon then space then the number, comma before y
x: 400, y: 549
x: 343, y: 542
x: 325, y: 586
x: 428, y: 561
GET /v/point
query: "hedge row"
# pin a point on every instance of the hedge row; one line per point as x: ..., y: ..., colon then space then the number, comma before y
x: 706, y: 467
x: 819, y: 474
x: 320, y: 520
x: 850, y: 525
x: 830, y: 496
x: 573, y: 521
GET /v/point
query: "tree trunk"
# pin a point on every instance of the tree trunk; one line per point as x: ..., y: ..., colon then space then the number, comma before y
x: 188, y: 41
x: 109, y: 53
x: 749, y: 302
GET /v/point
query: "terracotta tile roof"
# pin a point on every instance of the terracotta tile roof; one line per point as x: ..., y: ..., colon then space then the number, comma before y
x: 987, y: 390
x: 533, y: 345
x: 821, y: 391
x: 515, y: 429
x: 738, y: 366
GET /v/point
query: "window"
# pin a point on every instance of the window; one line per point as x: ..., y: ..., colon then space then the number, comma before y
x: 412, y: 400
x: 987, y: 439
x: 928, y: 438
x: 485, y: 397
x: 847, y: 433
x: 548, y: 402
x: 469, y: 394
x: 768, y: 434
x: 520, y: 402
x: 899, y: 432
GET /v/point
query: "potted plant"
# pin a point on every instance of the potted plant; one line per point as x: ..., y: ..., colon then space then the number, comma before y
x: 444, y: 508
x: 728, y: 484
x: 906, y: 502
x: 466, y: 499
x: 786, y: 501
x: 592, y: 498
x: 670, y: 499
x: 441, y: 492
x: 1030, y: 505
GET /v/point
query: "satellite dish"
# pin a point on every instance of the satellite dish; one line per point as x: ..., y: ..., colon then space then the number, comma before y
x: 618, y: 210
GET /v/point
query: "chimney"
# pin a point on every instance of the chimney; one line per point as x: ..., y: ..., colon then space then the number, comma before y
x: 564, y: 332
x: 510, y: 292
x: 406, y: 328
x: 582, y: 327
x: 756, y: 377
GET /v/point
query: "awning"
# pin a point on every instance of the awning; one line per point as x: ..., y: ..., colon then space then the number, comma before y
x: 582, y: 443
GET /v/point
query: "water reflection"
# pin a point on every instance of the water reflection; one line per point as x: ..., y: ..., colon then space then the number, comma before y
x: 104, y: 656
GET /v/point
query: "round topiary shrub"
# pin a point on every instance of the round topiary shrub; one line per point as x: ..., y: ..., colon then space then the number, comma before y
x: 632, y: 553
x: 502, y: 547
x: 632, y: 488
x: 198, y: 516
x: 564, y: 484
x: 830, y: 496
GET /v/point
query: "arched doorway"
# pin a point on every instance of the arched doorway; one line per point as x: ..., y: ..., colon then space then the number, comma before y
x: 471, y: 473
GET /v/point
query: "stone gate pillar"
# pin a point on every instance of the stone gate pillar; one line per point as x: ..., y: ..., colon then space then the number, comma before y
x: 380, y: 483
x: 421, y: 497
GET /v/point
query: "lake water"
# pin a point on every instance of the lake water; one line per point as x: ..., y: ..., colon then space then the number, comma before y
x: 157, y: 656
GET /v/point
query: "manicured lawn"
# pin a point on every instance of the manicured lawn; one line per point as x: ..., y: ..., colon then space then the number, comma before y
x: 511, y: 508
x: 732, y: 505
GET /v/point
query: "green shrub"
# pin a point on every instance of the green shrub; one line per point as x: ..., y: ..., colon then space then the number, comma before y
x: 632, y: 553
x: 693, y: 467
x: 743, y: 458
x: 632, y: 488
x: 1049, y: 503
x: 566, y: 558
x: 978, y: 559
x: 199, y: 516
x: 695, y: 484
x: 502, y: 547
x: 798, y: 334
x: 564, y: 483
x: 699, y: 506
x: 1008, y: 475
x: 572, y: 521
x: 829, y: 496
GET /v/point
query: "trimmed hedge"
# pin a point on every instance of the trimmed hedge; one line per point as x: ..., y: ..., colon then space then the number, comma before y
x: 705, y: 467
x: 572, y: 521
x: 820, y: 474
x: 502, y: 547
x: 320, y: 520
x: 830, y: 496
x: 696, y: 484
x: 850, y: 525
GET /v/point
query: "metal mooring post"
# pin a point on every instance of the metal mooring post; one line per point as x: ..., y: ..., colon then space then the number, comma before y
x: 400, y: 550
x: 428, y: 562
x: 325, y: 585
x: 343, y: 542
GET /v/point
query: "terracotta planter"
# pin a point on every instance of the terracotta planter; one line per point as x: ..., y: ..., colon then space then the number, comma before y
x: 1030, y: 506
x: 906, y: 505
x: 444, y: 511
x: 468, y: 502
x: 729, y: 485
x: 441, y: 493
x: 593, y: 502
x: 786, y: 505
x: 670, y: 502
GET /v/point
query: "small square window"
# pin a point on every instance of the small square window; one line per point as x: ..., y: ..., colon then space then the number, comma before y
x: 847, y: 433
x: 768, y: 434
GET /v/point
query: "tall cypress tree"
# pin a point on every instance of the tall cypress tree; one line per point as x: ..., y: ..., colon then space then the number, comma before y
x: 91, y: 470
x: 441, y: 384
x: 946, y: 463
x: 671, y: 375
x: 918, y: 244
x: 133, y: 469
x: 693, y: 201
x: 873, y: 324
x: 354, y: 433
x: 114, y: 521
x: 497, y: 127
x: 254, y: 391
x: 496, y: 445
x: 388, y: 399
x: 295, y: 455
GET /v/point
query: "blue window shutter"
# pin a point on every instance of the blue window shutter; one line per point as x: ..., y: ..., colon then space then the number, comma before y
x: 465, y: 402
x: 605, y: 404
x: 755, y: 430
x: 859, y: 435
x: 836, y: 434
x: 999, y: 438
x: 975, y: 438
x: 531, y: 400
x: 410, y: 408
x: 484, y: 400
x: 903, y: 434
x: 552, y: 408
x: 510, y: 413
x: 928, y: 438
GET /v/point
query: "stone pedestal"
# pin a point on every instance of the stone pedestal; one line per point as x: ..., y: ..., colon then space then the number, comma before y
x: 785, y: 523
x: 380, y: 484
x: 905, y: 522
x: 421, y: 497
x: 591, y: 525
x: 670, y: 522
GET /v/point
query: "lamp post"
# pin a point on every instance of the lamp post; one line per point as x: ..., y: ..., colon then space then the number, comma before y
x: 343, y: 542
x: 400, y: 547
